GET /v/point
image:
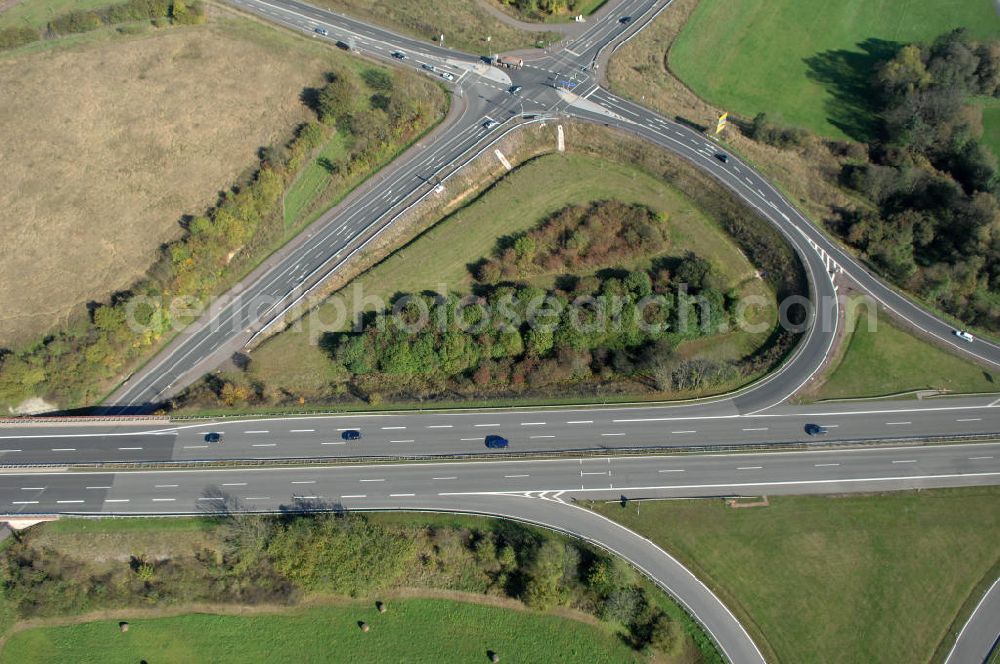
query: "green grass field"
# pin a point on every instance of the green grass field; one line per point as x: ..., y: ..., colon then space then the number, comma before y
x: 294, y: 360
x: 806, y: 62
x: 836, y: 579
x: 890, y: 360
x: 413, y: 630
x: 991, y: 128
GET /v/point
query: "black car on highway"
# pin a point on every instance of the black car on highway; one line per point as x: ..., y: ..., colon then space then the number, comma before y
x: 815, y: 430
x: 496, y: 442
x: 213, y: 437
x: 351, y: 434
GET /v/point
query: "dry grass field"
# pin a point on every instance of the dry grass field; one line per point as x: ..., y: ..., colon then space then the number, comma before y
x: 109, y: 141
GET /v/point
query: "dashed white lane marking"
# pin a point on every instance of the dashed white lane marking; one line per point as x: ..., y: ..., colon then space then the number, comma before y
x: 895, y: 423
x: 355, y: 495
x: 165, y: 486
x: 476, y: 438
x: 301, y: 430
x: 409, y: 440
x: 24, y: 502
x: 117, y: 500
x: 612, y: 434
x: 235, y: 484
x: 541, y: 436
x: 824, y: 465
x: 1, y: 451
x: 452, y: 477
x: 64, y: 449
x: 127, y: 449
x: 68, y: 502
x: 683, y: 432
x: 485, y: 425
x: 440, y: 426
x: 303, y: 481
x: 164, y: 500
x: 970, y: 419
x: 195, y: 447
x: 97, y: 487
x: 381, y: 479
x: 979, y: 458
x: 258, y: 497
x: 264, y: 445
x: 258, y: 431
x: 513, y: 476
x: 671, y: 470
x: 757, y: 429
x: 580, y: 422
x: 391, y: 428
x: 904, y: 461
x: 532, y: 424
x: 32, y: 488
x: 749, y: 467
x: 212, y: 498
x: 401, y: 495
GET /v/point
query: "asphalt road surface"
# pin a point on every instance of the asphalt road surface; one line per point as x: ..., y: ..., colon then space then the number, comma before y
x: 432, y: 433
x: 978, y: 638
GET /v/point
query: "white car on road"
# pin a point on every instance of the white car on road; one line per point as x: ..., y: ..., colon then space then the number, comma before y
x: 963, y: 335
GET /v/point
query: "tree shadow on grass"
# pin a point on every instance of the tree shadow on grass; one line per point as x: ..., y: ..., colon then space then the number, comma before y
x: 847, y: 76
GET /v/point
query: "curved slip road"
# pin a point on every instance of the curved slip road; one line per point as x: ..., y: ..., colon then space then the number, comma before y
x: 979, y: 637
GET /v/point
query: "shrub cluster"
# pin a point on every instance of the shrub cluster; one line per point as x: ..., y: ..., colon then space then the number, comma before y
x: 578, y: 237
x: 183, y: 12
x: 515, y: 337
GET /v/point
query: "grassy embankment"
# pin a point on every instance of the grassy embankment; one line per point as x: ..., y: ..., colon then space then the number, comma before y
x: 878, y: 578
x: 885, y: 359
x: 294, y: 361
x: 801, y: 60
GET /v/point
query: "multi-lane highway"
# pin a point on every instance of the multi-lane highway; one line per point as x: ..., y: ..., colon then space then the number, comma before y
x: 533, y: 431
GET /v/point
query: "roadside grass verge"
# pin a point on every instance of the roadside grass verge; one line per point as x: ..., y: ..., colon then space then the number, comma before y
x: 890, y: 360
x: 875, y: 578
x: 465, y: 24
x: 412, y: 630
x: 805, y: 62
x: 295, y: 360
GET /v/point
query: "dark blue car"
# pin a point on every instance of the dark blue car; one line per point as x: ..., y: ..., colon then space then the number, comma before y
x: 351, y: 434
x: 496, y: 442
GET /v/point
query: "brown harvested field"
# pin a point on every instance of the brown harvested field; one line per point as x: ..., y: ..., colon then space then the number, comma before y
x: 109, y: 141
